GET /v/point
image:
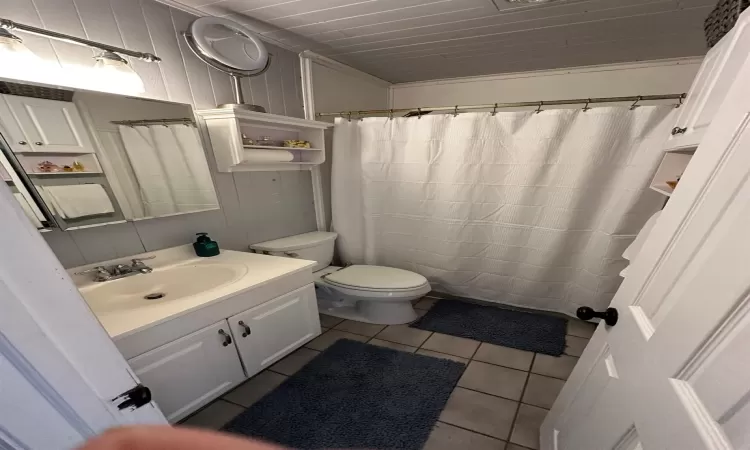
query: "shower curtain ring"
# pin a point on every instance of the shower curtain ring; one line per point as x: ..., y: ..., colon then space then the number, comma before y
x: 635, y: 104
x: 455, y: 111
x: 586, y: 106
x: 680, y: 99
x: 419, y: 113
x: 539, y: 109
x: 494, y: 109
x: 350, y: 116
x: 390, y: 115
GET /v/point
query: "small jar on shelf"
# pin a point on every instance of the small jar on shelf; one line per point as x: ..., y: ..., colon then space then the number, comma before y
x: 266, y: 141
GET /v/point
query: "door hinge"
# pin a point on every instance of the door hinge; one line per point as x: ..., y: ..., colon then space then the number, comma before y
x: 134, y: 398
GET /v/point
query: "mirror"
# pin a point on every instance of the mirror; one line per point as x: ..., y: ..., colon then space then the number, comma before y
x: 77, y: 159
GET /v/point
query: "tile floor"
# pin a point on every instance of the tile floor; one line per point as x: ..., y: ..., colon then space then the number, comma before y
x: 498, y: 404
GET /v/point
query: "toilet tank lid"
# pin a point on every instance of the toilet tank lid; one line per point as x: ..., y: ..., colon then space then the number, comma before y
x: 297, y: 242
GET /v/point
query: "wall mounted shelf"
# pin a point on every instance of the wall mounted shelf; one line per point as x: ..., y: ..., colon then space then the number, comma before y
x: 227, y: 126
x: 48, y: 174
x: 672, y: 166
x: 268, y: 147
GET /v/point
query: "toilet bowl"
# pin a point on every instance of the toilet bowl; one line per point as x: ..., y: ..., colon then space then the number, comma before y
x: 367, y: 293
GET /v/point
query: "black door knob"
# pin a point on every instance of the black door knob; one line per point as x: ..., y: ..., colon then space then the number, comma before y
x: 610, y: 316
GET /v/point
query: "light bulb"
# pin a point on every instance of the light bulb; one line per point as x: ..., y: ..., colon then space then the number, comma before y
x: 18, y: 62
x: 113, y: 74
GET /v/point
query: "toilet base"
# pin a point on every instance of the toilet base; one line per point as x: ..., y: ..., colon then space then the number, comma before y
x: 391, y: 312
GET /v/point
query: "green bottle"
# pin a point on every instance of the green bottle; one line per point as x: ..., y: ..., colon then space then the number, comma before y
x: 204, y: 246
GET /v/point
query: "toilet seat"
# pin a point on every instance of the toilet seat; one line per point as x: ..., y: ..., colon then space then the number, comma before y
x: 376, y: 279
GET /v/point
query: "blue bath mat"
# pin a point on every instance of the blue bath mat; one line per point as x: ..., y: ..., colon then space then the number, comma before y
x: 354, y: 395
x: 534, y: 332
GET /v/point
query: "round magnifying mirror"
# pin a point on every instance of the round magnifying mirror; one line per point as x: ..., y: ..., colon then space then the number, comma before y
x: 231, y: 48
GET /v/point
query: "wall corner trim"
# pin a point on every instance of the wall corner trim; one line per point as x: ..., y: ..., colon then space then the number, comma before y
x: 341, y: 67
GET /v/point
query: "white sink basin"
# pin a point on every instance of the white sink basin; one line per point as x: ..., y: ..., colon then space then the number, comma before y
x: 169, y: 284
x: 189, y: 283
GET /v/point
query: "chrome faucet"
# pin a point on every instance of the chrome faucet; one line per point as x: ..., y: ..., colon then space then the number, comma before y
x: 118, y: 271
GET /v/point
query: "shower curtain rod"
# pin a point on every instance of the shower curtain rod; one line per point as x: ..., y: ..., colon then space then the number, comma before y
x: 133, y: 123
x: 495, y: 106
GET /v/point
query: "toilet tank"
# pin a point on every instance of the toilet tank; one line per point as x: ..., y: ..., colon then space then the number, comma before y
x: 315, y: 246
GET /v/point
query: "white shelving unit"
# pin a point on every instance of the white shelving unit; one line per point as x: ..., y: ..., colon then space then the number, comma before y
x: 30, y: 163
x: 672, y: 166
x: 226, y: 126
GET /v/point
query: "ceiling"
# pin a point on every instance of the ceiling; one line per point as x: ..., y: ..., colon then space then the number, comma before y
x: 414, y: 40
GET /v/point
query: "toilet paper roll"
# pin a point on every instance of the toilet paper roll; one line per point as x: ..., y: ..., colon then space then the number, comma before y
x: 268, y: 156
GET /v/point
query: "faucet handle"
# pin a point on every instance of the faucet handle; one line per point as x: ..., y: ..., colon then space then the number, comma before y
x: 140, y: 260
x: 97, y: 269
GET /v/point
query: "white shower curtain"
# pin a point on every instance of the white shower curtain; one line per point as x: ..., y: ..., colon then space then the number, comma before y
x: 519, y: 208
x: 170, y: 167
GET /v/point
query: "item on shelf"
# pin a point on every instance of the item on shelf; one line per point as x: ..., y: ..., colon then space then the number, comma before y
x: 79, y: 200
x: 47, y: 167
x: 722, y: 19
x: 68, y: 169
x: 268, y: 156
x: 673, y: 184
x: 293, y: 143
x: 266, y: 141
x: 78, y: 166
x: 247, y: 141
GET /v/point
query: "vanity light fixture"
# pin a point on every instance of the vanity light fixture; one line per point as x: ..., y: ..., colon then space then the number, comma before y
x: 17, y: 60
x: 115, y: 70
x: 110, y: 71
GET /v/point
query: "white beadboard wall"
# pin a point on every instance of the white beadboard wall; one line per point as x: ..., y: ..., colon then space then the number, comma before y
x: 254, y: 206
x: 339, y: 89
x: 656, y: 77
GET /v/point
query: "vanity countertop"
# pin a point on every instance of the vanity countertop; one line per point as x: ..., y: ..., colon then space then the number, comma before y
x: 189, y: 283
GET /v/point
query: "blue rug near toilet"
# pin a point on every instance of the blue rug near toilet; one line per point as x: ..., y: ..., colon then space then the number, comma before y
x: 533, y: 332
x: 354, y: 395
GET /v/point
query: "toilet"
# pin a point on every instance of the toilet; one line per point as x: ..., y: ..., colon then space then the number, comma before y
x: 374, y: 294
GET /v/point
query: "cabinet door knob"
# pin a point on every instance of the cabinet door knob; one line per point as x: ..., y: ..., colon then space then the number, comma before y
x: 678, y: 130
x: 227, y: 338
x: 247, y: 332
x: 38, y: 143
x: 22, y: 142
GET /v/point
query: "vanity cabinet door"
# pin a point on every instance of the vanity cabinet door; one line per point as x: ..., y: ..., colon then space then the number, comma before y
x: 46, y: 126
x: 185, y: 374
x: 270, y: 331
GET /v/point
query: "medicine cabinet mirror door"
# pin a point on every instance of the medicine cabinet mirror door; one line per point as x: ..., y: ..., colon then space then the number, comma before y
x: 76, y: 159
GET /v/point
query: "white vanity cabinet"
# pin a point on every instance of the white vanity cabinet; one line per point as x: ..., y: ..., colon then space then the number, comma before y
x: 185, y: 374
x: 266, y: 333
x: 41, y: 125
x: 711, y: 85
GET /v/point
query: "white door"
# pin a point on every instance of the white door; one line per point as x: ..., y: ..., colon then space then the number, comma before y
x: 709, y: 90
x: 185, y: 374
x: 674, y: 373
x: 60, y: 373
x: 45, y: 126
x: 270, y: 331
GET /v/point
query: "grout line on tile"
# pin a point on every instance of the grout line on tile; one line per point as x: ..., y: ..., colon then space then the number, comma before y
x: 472, y: 431
x: 499, y: 396
x: 428, y: 338
x: 523, y: 392
x: 475, y: 351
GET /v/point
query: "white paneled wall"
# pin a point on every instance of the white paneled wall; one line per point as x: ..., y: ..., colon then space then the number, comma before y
x: 255, y: 206
x: 337, y: 88
x: 612, y: 80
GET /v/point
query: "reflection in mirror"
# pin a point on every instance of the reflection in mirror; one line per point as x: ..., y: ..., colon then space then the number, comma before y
x: 84, y: 159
